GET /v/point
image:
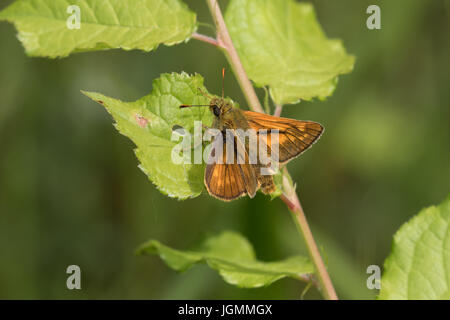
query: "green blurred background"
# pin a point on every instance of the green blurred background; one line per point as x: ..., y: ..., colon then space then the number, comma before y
x: 71, y: 192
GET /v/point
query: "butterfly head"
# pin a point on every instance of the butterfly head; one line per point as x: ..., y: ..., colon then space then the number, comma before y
x: 219, y: 106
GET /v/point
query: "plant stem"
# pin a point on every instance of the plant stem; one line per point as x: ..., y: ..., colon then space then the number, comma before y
x: 289, y: 196
x: 278, y: 110
x: 224, y: 39
x: 206, y: 39
x: 293, y: 203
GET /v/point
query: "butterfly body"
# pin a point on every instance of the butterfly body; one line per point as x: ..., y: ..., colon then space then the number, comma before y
x: 227, y: 180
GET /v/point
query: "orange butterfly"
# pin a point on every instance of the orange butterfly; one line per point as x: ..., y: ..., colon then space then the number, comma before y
x: 228, y: 180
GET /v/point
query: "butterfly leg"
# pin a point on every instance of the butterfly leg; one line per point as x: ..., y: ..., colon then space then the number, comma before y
x: 267, y: 184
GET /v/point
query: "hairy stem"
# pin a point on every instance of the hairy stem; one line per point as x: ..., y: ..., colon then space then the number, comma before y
x: 289, y: 196
x: 224, y: 39
x: 278, y: 110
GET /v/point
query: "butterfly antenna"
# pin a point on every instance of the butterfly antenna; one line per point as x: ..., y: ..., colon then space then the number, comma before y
x: 204, y: 93
x: 193, y: 105
x: 223, y: 82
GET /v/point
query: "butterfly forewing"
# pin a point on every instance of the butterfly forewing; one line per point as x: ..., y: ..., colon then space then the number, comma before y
x: 228, y: 181
x: 294, y: 136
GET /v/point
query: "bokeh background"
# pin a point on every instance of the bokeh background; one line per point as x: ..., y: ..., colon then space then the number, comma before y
x: 71, y: 192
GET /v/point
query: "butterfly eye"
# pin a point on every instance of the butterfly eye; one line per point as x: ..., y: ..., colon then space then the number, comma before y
x: 216, y: 110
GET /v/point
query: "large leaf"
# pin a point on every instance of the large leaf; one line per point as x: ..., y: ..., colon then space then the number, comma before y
x: 149, y: 123
x: 419, y: 264
x: 125, y: 24
x: 234, y: 258
x: 282, y: 45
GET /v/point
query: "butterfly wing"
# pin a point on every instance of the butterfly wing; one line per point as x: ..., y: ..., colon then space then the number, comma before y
x: 295, y: 136
x: 228, y: 181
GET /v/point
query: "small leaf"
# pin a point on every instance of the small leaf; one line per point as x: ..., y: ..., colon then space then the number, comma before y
x: 149, y: 122
x: 282, y: 45
x: 105, y: 24
x: 419, y: 264
x: 233, y: 257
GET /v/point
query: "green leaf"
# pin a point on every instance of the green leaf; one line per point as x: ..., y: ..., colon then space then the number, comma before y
x: 419, y: 264
x: 233, y: 257
x: 105, y: 24
x: 149, y: 123
x: 282, y: 45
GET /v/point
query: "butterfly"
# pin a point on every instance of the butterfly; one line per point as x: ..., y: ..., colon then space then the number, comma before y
x: 228, y: 180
